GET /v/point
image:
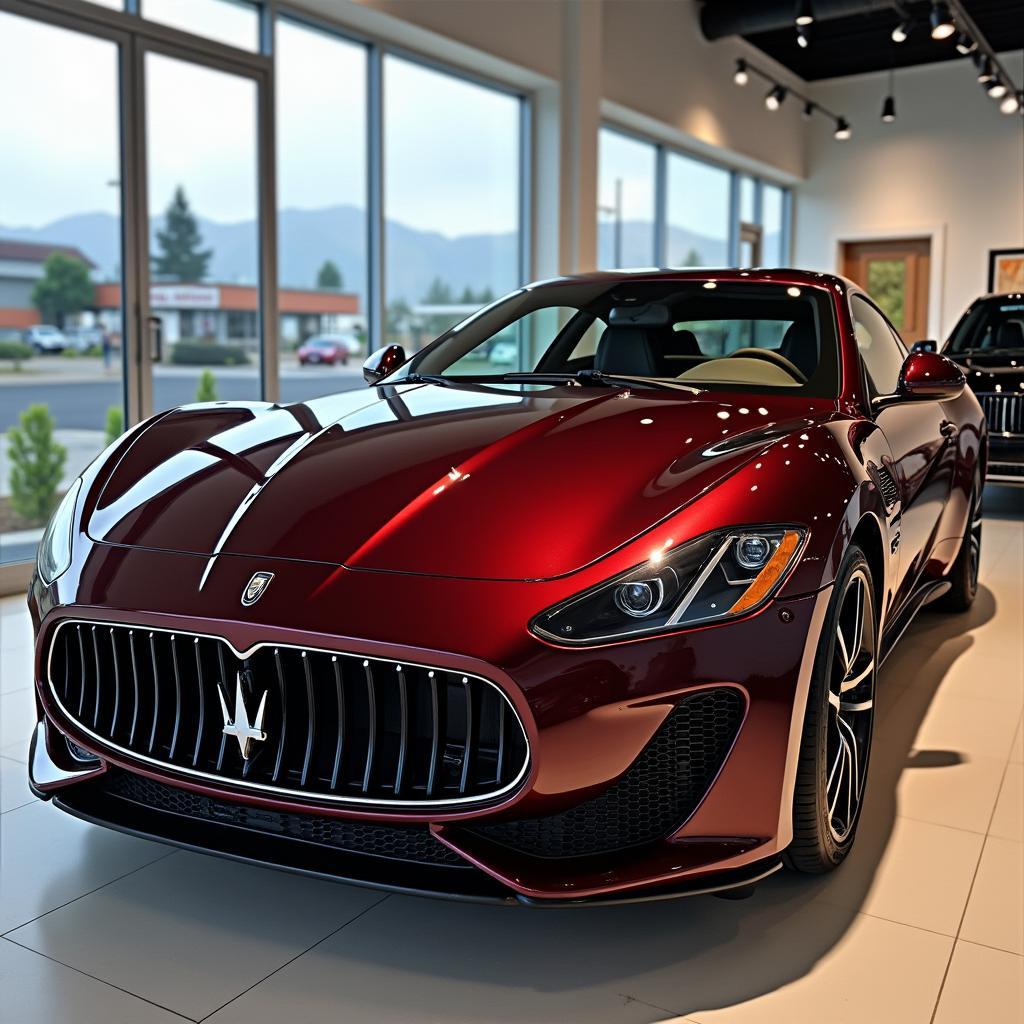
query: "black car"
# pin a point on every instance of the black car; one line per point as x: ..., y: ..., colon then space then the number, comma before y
x: 988, y: 343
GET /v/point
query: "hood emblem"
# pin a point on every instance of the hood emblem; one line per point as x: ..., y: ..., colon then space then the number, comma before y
x: 256, y: 587
x: 239, y: 726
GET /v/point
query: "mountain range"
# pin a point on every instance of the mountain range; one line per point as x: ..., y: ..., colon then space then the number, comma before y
x: 308, y: 237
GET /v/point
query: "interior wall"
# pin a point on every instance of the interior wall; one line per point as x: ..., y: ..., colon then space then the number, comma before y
x: 656, y: 62
x: 951, y: 162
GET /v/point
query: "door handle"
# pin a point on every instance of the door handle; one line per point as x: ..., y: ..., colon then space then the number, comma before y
x: 949, y: 430
x: 156, y: 338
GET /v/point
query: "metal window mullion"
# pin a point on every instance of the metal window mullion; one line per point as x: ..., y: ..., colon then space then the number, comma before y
x: 734, y: 218
x: 660, y: 206
x: 526, y: 233
x: 375, y: 219
x: 266, y: 162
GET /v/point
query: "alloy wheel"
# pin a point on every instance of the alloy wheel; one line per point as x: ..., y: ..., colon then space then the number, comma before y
x: 851, y: 706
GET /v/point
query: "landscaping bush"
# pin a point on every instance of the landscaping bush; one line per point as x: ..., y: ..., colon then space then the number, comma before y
x: 37, y: 464
x: 15, y: 351
x: 207, y: 390
x: 115, y: 424
x: 188, y: 353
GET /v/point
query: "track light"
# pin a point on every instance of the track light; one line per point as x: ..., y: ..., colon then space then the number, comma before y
x: 804, y: 13
x: 775, y: 97
x: 996, y: 89
x: 900, y: 32
x: 803, y: 36
x: 985, y: 71
x: 842, y: 132
x: 965, y: 45
x: 741, y: 76
x: 809, y: 109
x: 1012, y: 103
x: 942, y: 21
x: 889, y: 109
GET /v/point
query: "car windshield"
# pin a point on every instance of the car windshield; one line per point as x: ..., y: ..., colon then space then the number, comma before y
x: 704, y: 334
x: 989, y: 327
x: 322, y: 343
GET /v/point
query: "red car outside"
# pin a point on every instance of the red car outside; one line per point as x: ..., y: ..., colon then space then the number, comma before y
x: 330, y: 349
x: 604, y: 625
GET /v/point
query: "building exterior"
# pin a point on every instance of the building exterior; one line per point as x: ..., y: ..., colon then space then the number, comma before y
x: 21, y: 267
x: 221, y: 313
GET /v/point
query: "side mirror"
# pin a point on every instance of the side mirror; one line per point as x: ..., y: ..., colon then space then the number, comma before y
x: 382, y: 362
x: 930, y: 376
x: 928, y: 345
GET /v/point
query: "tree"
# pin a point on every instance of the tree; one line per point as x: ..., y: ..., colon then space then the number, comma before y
x: 691, y: 259
x: 114, y: 426
x: 328, y: 277
x: 207, y: 390
x: 438, y: 294
x: 180, y: 257
x: 37, y: 464
x: 64, y: 288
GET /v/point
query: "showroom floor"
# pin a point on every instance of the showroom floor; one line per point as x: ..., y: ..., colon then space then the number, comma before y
x: 924, y: 923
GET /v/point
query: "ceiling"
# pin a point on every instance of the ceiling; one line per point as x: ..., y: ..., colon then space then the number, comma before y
x: 855, y: 43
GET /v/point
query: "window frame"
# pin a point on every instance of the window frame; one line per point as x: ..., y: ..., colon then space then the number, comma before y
x: 736, y: 174
x: 871, y: 388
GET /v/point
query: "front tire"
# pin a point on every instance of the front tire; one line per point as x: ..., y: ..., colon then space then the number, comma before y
x: 833, y: 761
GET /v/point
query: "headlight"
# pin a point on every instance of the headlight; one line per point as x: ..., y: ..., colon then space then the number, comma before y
x: 54, y: 554
x: 722, y: 574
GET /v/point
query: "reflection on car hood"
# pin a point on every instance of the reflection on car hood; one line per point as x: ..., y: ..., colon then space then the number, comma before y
x: 485, y: 482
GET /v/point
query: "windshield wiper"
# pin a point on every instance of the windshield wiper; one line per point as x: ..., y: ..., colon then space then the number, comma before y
x: 592, y: 378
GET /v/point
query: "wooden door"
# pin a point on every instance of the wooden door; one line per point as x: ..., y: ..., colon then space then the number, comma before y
x: 895, y: 273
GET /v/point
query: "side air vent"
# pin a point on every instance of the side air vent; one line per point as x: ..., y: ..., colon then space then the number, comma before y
x: 887, y: 486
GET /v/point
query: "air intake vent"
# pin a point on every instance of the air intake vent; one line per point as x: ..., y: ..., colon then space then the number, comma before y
x: 887, y: 486
x: 335, y: 726
x: 653, y: 798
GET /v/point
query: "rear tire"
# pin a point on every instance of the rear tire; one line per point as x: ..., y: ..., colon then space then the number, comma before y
x: 832, y: 768
x: 963, y: 577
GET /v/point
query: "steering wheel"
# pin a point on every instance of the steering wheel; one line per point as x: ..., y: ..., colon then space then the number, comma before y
x: 771, y: 356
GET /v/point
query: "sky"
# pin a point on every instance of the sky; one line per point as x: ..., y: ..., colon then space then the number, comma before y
x: 451, y: 147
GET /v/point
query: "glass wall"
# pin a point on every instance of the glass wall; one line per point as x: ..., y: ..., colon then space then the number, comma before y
x: 61, y: 379
x: 452, y: 198
x: 233, y: 22
x: 322, y: 222
x: 697, y: 213
x: 626, y: 189
x: 711, y: 216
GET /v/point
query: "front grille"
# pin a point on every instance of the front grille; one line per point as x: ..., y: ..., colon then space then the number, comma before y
x: 396, y: 842
x: 658, y: 792
x: 1006, y: 469
x: 1004, y: 412
x: 337, y: 726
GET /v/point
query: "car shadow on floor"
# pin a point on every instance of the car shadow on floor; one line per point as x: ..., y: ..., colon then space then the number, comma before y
x: 422, y: 959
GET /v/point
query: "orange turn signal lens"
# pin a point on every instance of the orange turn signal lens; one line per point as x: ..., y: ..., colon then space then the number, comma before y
x: 769, y: 575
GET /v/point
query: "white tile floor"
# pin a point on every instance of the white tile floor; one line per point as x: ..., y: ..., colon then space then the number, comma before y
x: 923, y: 924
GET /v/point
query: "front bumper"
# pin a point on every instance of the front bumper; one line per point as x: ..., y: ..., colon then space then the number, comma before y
x: 589, y: 714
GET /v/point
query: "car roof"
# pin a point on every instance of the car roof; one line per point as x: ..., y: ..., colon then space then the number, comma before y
x: 760, y: 275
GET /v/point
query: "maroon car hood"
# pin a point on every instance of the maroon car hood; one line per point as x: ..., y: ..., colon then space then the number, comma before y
x: 470, y: 482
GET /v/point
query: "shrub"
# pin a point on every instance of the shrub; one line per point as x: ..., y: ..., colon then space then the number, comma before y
x: 37, y: 464
x: 70, y: 353
x: 15, y: 351
x: 188, y: 353
x: 115, y: 424
x: 207, y: 390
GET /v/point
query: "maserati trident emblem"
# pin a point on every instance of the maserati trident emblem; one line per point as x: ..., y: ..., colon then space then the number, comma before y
x: 239, y: 725
x: 256, y: 587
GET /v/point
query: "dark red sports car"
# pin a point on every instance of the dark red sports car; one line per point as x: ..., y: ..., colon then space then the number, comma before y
x: 602, y: 623
x: 329, y: 349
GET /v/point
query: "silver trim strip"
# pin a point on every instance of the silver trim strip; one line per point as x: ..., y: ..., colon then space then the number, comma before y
x: 700, y: 581
x: 291, y: 794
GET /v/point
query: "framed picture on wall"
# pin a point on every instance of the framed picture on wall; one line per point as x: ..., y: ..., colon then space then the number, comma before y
x: 1006, y: 270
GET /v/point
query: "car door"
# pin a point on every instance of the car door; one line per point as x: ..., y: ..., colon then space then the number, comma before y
x: 919, y: 437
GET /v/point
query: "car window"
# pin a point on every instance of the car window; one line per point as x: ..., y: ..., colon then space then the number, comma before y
x: 880, y: 348
x: 704, y: 333
x: 517, y: 347
x: 989, y: 327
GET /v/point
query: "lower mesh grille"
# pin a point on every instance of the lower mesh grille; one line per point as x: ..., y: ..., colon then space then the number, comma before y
x: 654, y: 797
x: 412, y: 843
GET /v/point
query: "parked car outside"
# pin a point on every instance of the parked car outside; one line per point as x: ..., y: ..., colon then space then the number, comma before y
x: 326, y: 348
x: 45, y: 338
x: 81, y: 339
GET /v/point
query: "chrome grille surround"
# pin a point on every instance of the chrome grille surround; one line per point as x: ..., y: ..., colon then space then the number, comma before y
x: 478, y: 690
x: 1004, y: 412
